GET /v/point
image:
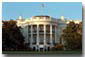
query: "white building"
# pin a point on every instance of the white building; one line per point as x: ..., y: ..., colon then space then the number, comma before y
x: 41, y: 32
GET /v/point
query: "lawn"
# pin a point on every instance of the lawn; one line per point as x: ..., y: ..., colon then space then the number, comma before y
x: 42, y: 52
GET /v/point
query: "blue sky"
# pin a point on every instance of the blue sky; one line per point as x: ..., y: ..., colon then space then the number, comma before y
x: 11, y: 10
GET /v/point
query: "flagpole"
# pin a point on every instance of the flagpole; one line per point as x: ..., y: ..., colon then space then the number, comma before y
x: 42, y: 6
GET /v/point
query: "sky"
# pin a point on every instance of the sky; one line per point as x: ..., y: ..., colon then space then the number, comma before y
x: 11, y: 10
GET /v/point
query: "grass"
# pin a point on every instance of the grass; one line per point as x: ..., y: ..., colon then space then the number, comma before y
x: 42, y: 52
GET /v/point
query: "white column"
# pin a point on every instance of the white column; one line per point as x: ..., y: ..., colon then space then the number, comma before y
x: 26, y: 34
x: 37, y: 34
x: 44, y: 34
x: 55, y: 33
x: 31, y: 40
x: 51, y: 34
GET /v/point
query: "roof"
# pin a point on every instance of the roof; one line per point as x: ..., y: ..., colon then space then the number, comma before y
x: 42, y: 16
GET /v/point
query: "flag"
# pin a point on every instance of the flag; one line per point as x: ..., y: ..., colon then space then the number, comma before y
x: 42, y: 5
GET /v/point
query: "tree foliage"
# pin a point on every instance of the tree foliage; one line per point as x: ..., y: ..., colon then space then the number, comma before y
x: 12, y: 38
x: 72, y: 36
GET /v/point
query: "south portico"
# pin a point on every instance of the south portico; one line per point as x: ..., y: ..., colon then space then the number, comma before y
x: 40, y: 32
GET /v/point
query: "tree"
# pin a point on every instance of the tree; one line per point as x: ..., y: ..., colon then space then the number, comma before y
x: 59, y: 47
x: 12, y: 38
x: 71, y: 38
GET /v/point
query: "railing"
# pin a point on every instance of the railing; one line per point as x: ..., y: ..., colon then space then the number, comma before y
x: 34, y: 43
x: 41, y: 42
x: 47, y: 32
x: 48, y: 42
x: 41, y: 31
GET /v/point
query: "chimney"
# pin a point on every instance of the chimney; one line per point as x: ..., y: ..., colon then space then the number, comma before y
x: 62, y: 18
x: 20, y: 17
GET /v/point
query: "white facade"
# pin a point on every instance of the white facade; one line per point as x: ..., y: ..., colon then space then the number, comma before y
x: 41, y: 32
